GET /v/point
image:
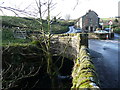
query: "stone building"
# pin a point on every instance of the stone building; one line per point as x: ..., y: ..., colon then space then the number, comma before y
x: 89, y: 22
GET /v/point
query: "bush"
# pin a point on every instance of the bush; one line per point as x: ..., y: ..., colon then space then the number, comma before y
x: 57, y: 29
x: 117, y: 30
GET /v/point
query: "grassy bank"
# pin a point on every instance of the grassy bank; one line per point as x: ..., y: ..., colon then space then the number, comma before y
x: 8, y: 37
x: 25, y: 67
x: 10, y: 23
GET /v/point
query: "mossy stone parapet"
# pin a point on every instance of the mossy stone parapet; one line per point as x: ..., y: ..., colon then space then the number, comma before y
x: 84, y: 74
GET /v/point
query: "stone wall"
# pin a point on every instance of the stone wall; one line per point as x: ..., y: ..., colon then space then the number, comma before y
x: 100, y: 35
x: 68, y: 45
x: 84, y: 74
x: 20, y: 34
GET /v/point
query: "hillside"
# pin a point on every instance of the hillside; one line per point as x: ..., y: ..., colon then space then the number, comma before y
x: 21, y: 22
x: 10, y: 23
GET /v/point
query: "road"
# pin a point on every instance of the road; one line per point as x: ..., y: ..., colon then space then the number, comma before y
x: 73, y: 30
x: 105, y: 54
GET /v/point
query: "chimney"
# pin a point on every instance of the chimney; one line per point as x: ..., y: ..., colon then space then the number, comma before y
x: 90, y: 10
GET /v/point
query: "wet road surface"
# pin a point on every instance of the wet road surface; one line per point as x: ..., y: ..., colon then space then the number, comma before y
x: 73, y: 30
x: 105, y: 55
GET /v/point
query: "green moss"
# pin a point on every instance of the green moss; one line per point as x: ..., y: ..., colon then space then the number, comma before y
x: 87, y: 73
x: 84, y: 70
x: 77, y: 60
x: 86, y: 60
x: 70, y: 34
x: 35, y: 42
x: 83, y: 54
x: 87, y: 66
x: 86, y: 85
x: 75, y: 70
x: 84, y: 81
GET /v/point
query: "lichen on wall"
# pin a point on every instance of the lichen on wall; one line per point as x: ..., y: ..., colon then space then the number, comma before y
x: 84, y: 74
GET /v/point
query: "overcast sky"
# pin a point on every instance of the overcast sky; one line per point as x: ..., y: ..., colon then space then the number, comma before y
x: 104, y: 8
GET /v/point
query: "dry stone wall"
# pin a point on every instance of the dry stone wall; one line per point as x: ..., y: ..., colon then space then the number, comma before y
x: 84, y: 74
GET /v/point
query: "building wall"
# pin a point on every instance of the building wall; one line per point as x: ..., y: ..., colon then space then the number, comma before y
x: 89, y: 22
x: 81, y: 23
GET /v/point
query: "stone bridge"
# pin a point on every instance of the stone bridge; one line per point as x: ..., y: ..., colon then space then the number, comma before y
x: 75, y: 47
x: 71, y: 46
x: 68, y: 45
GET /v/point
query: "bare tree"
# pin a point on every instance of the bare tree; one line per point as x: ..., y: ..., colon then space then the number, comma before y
x: 67, y: 16
x: 12, y: 75
x: 44, y: 39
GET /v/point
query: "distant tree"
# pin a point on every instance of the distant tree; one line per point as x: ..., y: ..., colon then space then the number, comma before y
x: 54, y: 19
x: 116, y: 21
x: 67, y: 16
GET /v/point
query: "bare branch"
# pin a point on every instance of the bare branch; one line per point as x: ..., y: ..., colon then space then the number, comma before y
x: 35, y: 83
x: 27, y: 7
x: 7, y: 69
x: 2, y: 11
x: 13, y: 10
x: 76, y: 4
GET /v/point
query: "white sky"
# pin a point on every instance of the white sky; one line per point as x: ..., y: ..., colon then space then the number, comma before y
x: 104, y: 8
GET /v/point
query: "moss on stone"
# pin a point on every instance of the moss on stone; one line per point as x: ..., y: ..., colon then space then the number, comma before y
x: 87, y: 64
x: 84, y: 71
x: 86, y: 85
